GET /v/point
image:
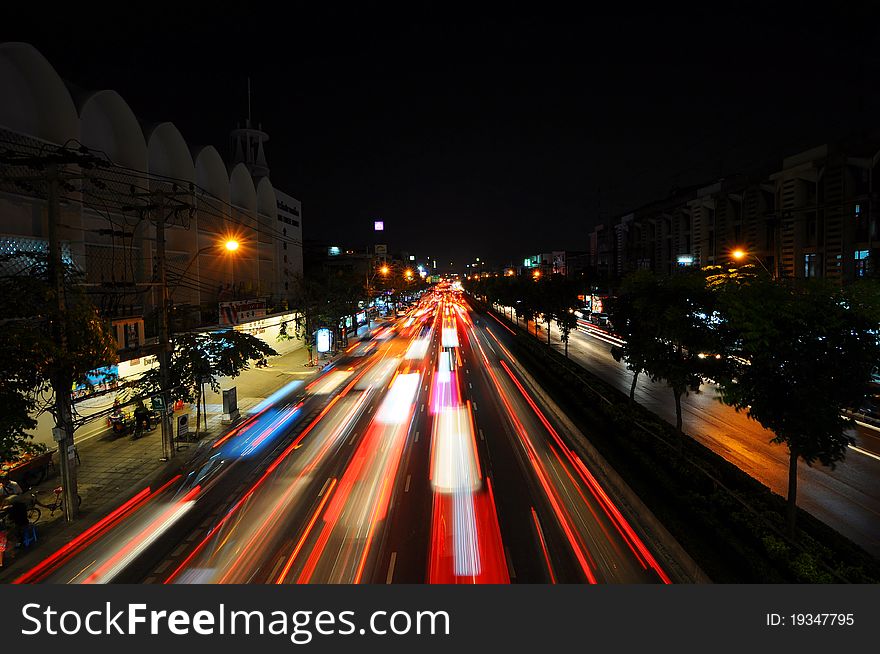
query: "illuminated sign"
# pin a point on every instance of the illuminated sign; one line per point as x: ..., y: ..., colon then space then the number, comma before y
x: 378, y: 225
x: 685, y: 259
x: 322, y: 339
x: 333, y: 251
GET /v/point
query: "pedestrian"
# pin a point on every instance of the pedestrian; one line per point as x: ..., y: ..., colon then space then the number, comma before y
x: 9, y: 488
x: 17, y: 515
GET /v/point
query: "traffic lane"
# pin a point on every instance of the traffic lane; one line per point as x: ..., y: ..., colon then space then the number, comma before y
x: 323, y: 435
x: 535, y: 554
x: 218, y: 469
x: 845, y: 498
x: 252, y: 539
x: 607, y: 548
x: 341, y: 541
x: 403, y: 554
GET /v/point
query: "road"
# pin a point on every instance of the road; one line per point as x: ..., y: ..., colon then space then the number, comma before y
x: 423, y: 456
x: 846, y: 498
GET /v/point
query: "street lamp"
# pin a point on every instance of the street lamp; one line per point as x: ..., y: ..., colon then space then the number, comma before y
x: 230, y: 245
x: 382, y: 270
x: 739, y: 254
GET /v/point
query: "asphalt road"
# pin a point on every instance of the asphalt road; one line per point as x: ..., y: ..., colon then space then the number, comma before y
x: 846, y: 498
x: 421, y: 457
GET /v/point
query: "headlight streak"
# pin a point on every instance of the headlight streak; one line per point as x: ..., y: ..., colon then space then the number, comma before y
x: 260, y: 481
x: 270, y: 519
x: 113, y: 566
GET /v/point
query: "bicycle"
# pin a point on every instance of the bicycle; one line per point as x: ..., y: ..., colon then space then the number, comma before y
x: 34, y: 513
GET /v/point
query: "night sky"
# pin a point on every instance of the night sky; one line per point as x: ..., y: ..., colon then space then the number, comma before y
x: 473, y: 137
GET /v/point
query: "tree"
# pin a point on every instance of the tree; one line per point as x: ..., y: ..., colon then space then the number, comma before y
x: 672, y: 324
x: 566, y: 321
x: 802, y: 353
x: 33, y: 364
x: 632, y: 312
x: 204, y: 358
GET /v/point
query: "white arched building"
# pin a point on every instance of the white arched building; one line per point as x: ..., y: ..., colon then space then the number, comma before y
x: 207, y: 199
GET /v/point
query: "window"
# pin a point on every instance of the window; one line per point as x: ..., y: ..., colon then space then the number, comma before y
x: 811, y: 265
x: 861, y: 263
x: 858, y: 210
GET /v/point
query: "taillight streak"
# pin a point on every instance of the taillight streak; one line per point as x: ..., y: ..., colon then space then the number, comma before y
x: 93, y: 532
x: 629, y: 536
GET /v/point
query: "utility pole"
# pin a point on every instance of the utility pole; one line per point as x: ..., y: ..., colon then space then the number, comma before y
x: 62, y: 379
x: 158, y: 203
x: 164, y: 341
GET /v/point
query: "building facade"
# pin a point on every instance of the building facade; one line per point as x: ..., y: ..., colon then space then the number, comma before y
x: 816, y: 215
x: 119, y: 177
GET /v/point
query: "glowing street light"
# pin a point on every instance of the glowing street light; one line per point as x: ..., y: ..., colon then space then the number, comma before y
x: 232, y: 245
x: 384, y: 270
x: 739, y: 254
x: 536, y: 274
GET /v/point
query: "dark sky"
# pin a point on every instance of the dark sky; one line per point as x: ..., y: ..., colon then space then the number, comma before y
x: 475, y: 137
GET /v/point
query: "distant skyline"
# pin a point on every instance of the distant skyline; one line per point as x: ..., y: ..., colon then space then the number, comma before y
x: 492, y: 139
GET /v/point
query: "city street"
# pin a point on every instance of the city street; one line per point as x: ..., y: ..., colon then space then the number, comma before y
x: 421, y: 456
x: 846, y: 498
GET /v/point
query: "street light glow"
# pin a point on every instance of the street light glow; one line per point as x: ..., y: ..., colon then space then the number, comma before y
x: 384, y: 270
x: 232, y: 245
x: 738, y: 254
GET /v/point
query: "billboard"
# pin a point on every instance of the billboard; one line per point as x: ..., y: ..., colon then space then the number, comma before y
x: 233, y: 313
x: 322, y: 340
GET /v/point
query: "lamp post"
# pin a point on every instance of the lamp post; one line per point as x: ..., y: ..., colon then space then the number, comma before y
x: 383, y: 270
x: 165, y: 342
x: 230, y: 246
x: 740, y: 254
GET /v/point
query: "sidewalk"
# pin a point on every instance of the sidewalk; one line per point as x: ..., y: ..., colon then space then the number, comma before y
x: 112, y: 467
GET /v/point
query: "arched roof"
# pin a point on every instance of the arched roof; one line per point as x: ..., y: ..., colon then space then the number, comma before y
x: 211, y: 173
x: 266, y: 202
x: 169, y: 154
x: 107, y: 123
x: 36, y: 101
x: 241, y: 188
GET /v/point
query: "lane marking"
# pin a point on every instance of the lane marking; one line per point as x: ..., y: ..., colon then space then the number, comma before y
x: 482, y: 438
x: 406, y: 487
x: 416, y: 439
x: 390, y: 574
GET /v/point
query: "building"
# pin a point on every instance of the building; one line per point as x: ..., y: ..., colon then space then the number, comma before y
x: 137, y: 175
x: 813, y: 216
